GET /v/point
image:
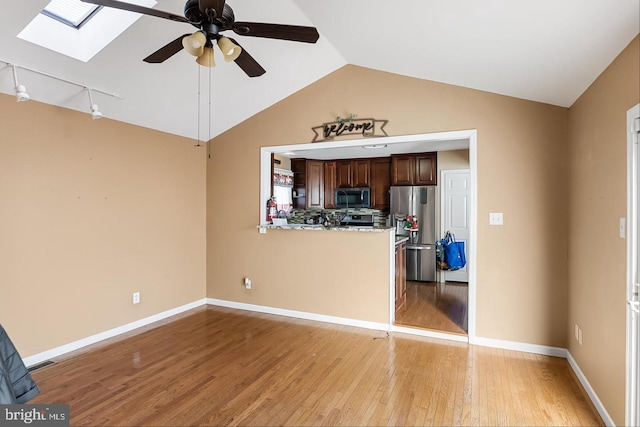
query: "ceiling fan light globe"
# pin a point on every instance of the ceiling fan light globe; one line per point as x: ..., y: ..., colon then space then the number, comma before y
x: 206, y: 59
x: 229, y: 49
x: 194, y: 44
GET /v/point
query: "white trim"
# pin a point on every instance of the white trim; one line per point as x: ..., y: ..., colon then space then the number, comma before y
x: 299, y: 314
x: 392, y: 277
x: 430, y: 334
x: 76, y: 345
x: 521, y: 346
x: 473, y: 237
x: 590, y: 391
x: 631, y: 397
x: 486, y: 342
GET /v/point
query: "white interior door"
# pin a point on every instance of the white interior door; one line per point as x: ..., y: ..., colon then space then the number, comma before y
x: 633, y: 260
x: 456, y: 215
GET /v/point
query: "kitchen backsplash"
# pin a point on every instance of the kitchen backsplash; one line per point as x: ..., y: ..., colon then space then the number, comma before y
x: 299, y: 216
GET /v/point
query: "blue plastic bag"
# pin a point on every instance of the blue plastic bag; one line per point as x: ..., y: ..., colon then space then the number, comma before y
x: 453, y: 256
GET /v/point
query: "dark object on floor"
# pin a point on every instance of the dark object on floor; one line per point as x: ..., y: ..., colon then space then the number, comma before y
x: 16, y: 384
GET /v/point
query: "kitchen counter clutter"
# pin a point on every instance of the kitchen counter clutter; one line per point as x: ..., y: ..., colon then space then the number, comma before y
x: 320, y: 227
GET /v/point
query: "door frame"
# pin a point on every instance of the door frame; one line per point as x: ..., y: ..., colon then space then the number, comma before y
x: 632, y: 406
x: 471, y: 258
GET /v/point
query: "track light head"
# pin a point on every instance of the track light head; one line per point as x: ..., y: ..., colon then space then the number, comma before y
x: 95, y: 113
x: 21, y: 93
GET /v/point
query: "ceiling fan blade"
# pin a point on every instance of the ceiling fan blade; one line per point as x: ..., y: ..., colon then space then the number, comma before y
x: 166, y: 52
x: 217, y: 5
x: 277, y: 31
x: 138, y: 9
x: 249, y: 65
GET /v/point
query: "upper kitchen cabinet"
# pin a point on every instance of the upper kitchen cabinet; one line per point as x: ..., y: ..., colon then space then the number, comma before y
x: 299, y: 168
x: 352, y: 173
x: 308, y: 183
x: 330, y: 184
x: 414, y: 169
x: 360, y: 172
x: 380, y: 181
x: 315, y: 184
x: 344, y: 174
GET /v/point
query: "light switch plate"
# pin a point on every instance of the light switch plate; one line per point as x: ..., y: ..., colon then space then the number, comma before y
x: 623, y: 228
x: 495, y: 218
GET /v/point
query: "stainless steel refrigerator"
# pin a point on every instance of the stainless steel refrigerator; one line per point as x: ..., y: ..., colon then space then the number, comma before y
x: 418, y: 202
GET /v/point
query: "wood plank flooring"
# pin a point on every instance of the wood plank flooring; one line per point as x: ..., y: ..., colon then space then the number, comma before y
x: 437, y: 306
x: 218, y: 366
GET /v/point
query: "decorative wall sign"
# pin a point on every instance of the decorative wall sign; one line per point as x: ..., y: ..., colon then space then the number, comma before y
x: 349, y: 127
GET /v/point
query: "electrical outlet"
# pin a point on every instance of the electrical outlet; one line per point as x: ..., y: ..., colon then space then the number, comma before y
x: 136, y: 297
x: 579, y: 336
x: 495, y: 218
x: 576, y: 332
x: 247, y: 283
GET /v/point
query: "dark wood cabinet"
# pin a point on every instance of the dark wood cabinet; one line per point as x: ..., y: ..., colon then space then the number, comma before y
x: 315, y: 184
x: 380, y: 180
x: 401, y: 277
x: 414, y: 169
x: 344, y: 174
x: 299, y: 168
x: 426, y: 169
x: 360, y: 172
x: 352, y: 173
x: 402, y: 169
x: 330, y: 184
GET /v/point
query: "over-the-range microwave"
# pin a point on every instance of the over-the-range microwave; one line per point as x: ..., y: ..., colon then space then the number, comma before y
x: 353, y: 198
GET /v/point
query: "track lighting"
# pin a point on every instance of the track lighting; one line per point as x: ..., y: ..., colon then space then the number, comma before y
x: 22, y: 95
x: 21, y: 91
x: 229, y: 49
x: 95, y: 113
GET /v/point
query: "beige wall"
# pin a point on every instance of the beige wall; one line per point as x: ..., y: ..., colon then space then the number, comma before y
x: 522, y: 294
x: 92, y: 211
x: 454, y: 159
x: 597, y: 179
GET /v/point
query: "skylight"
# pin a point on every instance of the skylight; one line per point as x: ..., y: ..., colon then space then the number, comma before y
x: 71, y: 12
x: 90, y: 31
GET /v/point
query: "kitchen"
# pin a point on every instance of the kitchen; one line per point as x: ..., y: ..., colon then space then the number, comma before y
x: 352, y: 185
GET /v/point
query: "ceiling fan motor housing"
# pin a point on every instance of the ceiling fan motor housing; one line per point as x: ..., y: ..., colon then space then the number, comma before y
x: 200, y: 20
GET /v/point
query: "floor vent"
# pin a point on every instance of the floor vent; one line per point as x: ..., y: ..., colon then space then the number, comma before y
x: 40, y: 365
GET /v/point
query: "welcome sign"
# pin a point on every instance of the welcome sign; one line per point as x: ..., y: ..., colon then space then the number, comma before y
x: 354, y: 127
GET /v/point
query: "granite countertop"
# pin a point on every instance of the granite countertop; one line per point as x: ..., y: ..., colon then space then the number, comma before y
x: 323, y: 228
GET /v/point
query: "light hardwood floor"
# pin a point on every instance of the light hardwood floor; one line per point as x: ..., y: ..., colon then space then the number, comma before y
x: 438, y: 306
x: 217, y: 366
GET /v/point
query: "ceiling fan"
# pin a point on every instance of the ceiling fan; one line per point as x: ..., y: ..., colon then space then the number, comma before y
x: 212, y: 17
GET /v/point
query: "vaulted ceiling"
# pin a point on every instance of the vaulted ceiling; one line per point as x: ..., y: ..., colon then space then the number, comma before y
x: 548, y: 51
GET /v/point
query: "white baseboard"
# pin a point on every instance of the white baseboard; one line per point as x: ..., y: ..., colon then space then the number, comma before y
x: 592, y: 394
x: 487, y: 342
x: 76, y: 345
x: 299, y: 314
x: 520, y: 346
